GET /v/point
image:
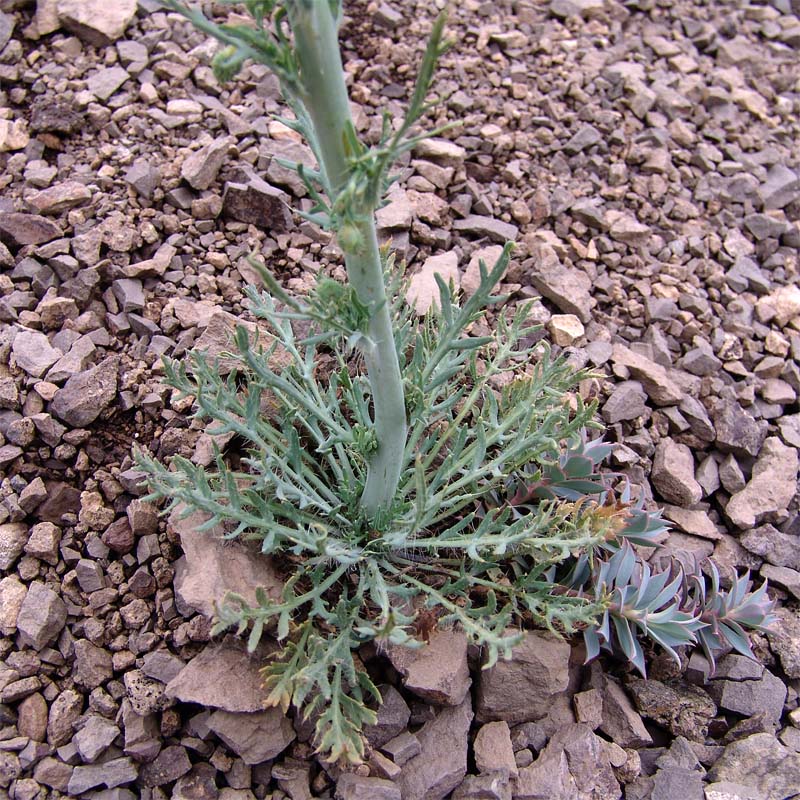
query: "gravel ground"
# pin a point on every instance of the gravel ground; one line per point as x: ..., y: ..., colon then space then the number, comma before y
x: 644, y: 158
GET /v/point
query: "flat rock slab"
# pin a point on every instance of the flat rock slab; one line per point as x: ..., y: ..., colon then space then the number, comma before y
x: 437, y: 672
x: 212, y: 567
x: 206, y: 678
x: 255, y: 737
x: 20, y: 229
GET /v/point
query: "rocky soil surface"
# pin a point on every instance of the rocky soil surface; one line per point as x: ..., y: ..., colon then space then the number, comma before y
x: 643, y: 156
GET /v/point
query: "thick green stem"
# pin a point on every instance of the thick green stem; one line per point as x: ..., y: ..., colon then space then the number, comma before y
x: 325, y: 97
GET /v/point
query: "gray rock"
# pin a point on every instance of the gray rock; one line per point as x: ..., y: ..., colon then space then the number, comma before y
x: 198, y: 784
x: 586, y: 136
x: 730, y: 474
x: 684, y: 710
x: 402, y: 748
x: 673, y: 474
x: 200, y: 168
x: 205, y: 680
x: 781, y: 187
x: 727, y: 790
x: 356, y: 787
x: 255, y: 737
x: 92, y: 665
x: 59, y: 198
x: 626, y: 402
x: 489, y: 227
x: 13, y: 537
x: 12, y: 595
x: 23, y: 229
x: 749, y: 697
x: 129, y: 293
x: 573, y: 766
x: 520, y: 690
x: 737, y: 431
x: 759, y: 762
x: 33, y: 352
x: 437, y: 672
x: 746, y: 274
x: 95, y: 737
x: 484, y: 787
x: 42, y: 616
x: 169, y: 765
x: 566, y: 287
x: 784, y: 640
x: 64, y: 711
x: 493, y: 749
x: 621, y: 723
x: 423, y: 288
x: 701, y: 361
x: 673, y: 782
x: 213, y: 567
x: 660, y: 388
x: 97, y: 22
x: 784, y: 577
x: 147, y: 696
x: 442, y: 764
x: 86, y: 395
x: 7, y: 24
x: 144, y: 177
x: 142, y: 736
x: 393, y: 715
x: 162, y: 666
x: 255, y: 202
x: 771, y: 488
x: 110, y: 774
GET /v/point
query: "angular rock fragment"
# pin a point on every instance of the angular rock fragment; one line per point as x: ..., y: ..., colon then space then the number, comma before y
x: 13, y: 536
x: 110, y: 774
x: 442, y: 762
x: 771, y: 488
x: 86, y: 395
x: 41, y: 617
x: 59, y: 198
x: 574, y: 765
x: 520, y: 690
x: 393, y: 715
x: 660, y: 388
x: 23, y: 229
x: 205, y: 679
x: 355, y: 787
x: 489, y: 227
x: 437, y: 672
x: 759, y: 762
x: 33, y: 352
x: 673, y: 474
x: 212, y: 567
x: 200, y: 168
x: 97, y: 22
x: 255, y: 737
x: 12, y: 595
x: 737, y: 431
x: 423, y: 290
x: 255, y: 202
x: 566, y: 287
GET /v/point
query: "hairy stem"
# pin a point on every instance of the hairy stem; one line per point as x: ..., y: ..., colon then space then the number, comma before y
x: 322, y: 79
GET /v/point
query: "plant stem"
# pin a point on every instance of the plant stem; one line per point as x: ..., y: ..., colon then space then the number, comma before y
x: 322, y: 79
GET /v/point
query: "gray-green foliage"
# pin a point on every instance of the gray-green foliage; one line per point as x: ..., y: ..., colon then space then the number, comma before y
x: 396, y: 467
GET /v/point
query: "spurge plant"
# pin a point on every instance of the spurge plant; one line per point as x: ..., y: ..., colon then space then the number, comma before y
x: 425, y: 476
